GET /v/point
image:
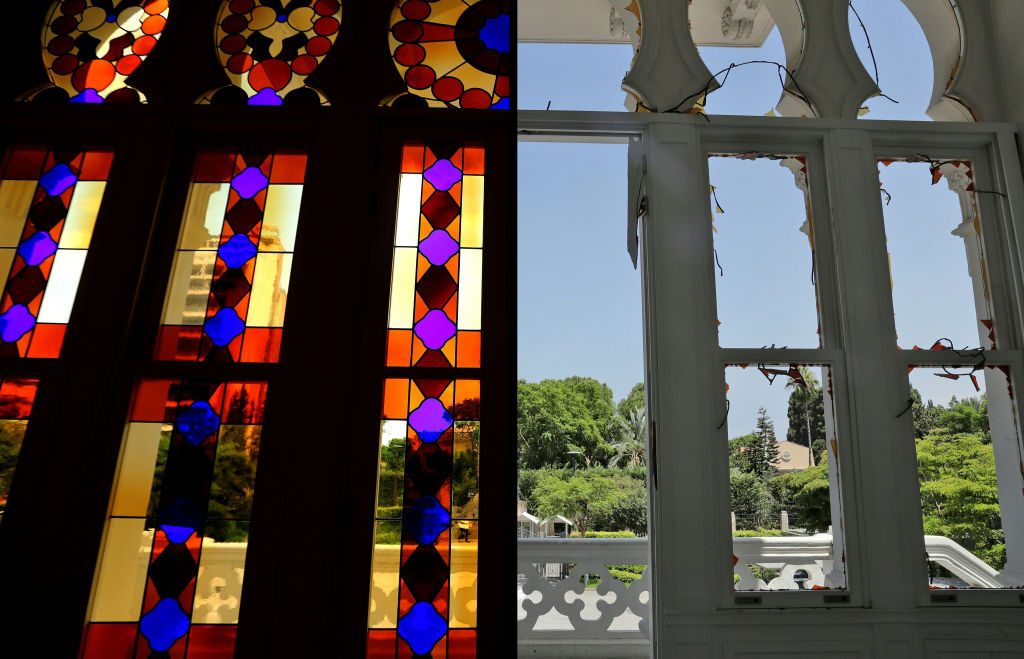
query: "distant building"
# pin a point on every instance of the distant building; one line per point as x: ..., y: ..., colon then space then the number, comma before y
x: 793, y: 457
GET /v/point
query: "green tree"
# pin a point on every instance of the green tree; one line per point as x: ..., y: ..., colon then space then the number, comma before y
x: 635, y: 400
x: 967, y: 416
x: 568, y: 422
x: 579, y: 497
x: 631, y: 450
x: 959, y: 493
x: 752, y: 502
x: 926, y: 417
x: 806, y: 413
x: 764, y: 453
x: 807, y: 493
x: 740, y: 452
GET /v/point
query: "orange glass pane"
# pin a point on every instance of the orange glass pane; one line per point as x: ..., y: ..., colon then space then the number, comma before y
x: 412, y: 160
x: 468, y: 350
x: 47, y: 341
x: 178, y: 342
x: 396, y: 398
x: 262, y: 344
x: 380, y: 644
x: 288, y: 168
x: 96, y: 166
x: 473, y: 160
x: 462, y: 644
x: 150, y: 402
x: 399, y: 347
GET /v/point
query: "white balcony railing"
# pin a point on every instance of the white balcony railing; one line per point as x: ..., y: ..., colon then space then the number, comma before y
x: 560, y: 616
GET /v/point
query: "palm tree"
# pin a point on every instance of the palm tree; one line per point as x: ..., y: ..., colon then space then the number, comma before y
x: 805, y: 393
x: 633, y: 447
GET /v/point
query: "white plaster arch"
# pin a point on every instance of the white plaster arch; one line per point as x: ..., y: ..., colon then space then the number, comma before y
x: 789, y: 18
x: 942, y: 23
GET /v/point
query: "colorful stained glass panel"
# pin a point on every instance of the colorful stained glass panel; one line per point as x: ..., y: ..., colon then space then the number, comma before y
x: 453, y: 53
x: 437, y: 272
x: 170, y: 571
x: 91, y: 47
x: 228, y: 289
x: 426, y: 540
x: 268, y: 47
x: 49, y: 200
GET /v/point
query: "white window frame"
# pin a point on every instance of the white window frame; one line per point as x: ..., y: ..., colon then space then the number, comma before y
x: 692, y: 593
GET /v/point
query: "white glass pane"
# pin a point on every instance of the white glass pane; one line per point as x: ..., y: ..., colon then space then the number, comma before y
x: 189, y: 288
x: 122, y: 575
x: 85, y: 205
x: 409, y: 202
x: 281, y: 218
x: 15, y: 200
x: 204, y: 216
x: 135, y: 474
x: 269, y: 290
x: 62, y: 286
x: 403, y: 288
x: 470, y: 288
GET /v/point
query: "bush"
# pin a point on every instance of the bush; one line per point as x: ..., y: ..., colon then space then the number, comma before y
x: 606, y: 534
x: 756, y: 533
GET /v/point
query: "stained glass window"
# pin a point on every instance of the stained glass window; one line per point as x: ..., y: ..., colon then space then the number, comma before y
x: 423, y: 596
x: 229, y: 284
x: 16, y: 398
x: 268, y: 47
x: 453, y: 53
x: 90, y: 47
x: 424, y: 585
x: 169, y: 577
x: 49, y: 200
x: 438, y: 259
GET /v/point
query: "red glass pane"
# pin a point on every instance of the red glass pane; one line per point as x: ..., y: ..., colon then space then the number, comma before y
x: 468, y: 350
x: 96, y: 166
x: 178, y: 342
x: 214, y: 167
x: 399, y: 347
x: 109, y: 640
x: 262, y: 344
x: 462, y: 644
x: 288, y: 168
x: 212, y: 642
x: 16, y: 398
x: 24, y: 163
x: 152, y: 401
x: 380, y: 644
x: 47, y: 341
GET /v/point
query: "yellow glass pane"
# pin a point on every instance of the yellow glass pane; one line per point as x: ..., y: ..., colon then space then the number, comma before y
x: 281, y: 218
x: 387, y: 552
x: 189, y: 288
x: 403, y: 288
x: 85, y: 205
x: 406, y: 230
x: 62, y: 286
x: 204, y: 216
x: 135, y: 474
x: 269, y: 290
x: 123, y: 562
x: 219, y: 584
x: 15, y: 200
x: 462, y: 584
x: 6, y: 259
x: 472, y: 212
x: 471, y: 271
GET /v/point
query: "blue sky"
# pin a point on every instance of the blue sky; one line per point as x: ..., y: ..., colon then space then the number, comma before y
x: 579, y: 297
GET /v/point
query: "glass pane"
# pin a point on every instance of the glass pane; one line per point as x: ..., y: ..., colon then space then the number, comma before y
x: 436, y: 287
x: 16, y: 398
x: 49, y: 201
x: 261, y: 74
x: 226, y: 301
x: 783, y: 477
x: 175, y: 542
x: 968, y: 465
x: 452, y: 53
x: 76, y: 32
x: 939, y: 277
x: 763, y: 238
x: 425, y: 546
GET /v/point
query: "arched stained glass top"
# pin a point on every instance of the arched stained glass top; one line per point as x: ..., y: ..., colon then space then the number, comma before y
x: 90, y: 47
x: 453, y: 53
x: 268, y: 47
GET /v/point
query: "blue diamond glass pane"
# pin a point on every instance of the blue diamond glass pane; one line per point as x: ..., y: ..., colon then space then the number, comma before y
x: 496, y: 33
x: 87, y: 96
x: 197, y: 422
x: 422, y: 628
x: 266, y: 96
x: 430, y: 420
x: 164, y: 625
x: 250, y: 182
x: 37, y: 248
x: 438, y: 247
x: 177, y: 534
x: 15, y: 323
x: 224, y: 327
x: 442, y: 174
x: 57, y: 180
x: 426, y: 519
x: 237, y: 251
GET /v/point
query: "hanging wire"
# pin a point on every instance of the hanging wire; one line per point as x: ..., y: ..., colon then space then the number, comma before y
x: 706, y: 89
x: 871, y: 51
